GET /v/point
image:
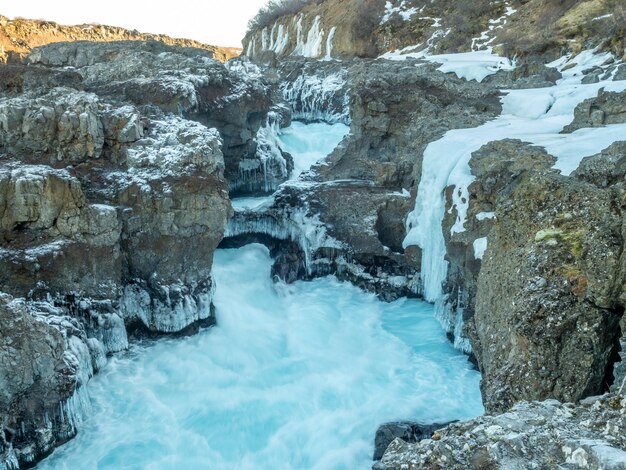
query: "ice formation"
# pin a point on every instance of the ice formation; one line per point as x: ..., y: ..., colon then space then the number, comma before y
x: 329, y: 43
x: 318, y: 98
x: 269, y: 164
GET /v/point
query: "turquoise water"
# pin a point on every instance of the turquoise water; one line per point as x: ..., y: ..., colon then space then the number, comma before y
x: 310, y: 143
x: 292, y: 377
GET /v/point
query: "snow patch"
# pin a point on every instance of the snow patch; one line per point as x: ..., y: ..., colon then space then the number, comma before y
x: 400, y: 9
x: 487, y: 37
x: 485, y: 215
x: 480, y: 246
x: 475, y: 65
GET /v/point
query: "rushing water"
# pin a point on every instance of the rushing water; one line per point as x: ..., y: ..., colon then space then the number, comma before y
x: 292, y: 377
x: 311, y: 143
x: 307, y: 144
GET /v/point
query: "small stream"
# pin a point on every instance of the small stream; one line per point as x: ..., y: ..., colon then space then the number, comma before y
x: 292, y: 377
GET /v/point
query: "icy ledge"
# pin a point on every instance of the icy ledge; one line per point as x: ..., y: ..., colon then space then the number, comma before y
x: 475, y: 65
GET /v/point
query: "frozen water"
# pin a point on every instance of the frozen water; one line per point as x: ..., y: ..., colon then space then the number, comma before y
x: 329, y: 43
x: 475, y: 65
x: 318, y: 98
x: 293, y: 377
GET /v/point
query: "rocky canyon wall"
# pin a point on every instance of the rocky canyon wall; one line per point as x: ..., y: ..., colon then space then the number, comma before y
x: 113, y: 198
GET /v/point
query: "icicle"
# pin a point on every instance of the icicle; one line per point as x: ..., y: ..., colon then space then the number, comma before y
x: 299, y: 36
x: 329, y: 43
x: 312, y: 98
x: 251, y: 49
x: 313, y: 45
x: 272, y: 37
x: 308, y: 232
x: 269, y: 166
x: 74, y: 411
x: 282, y: 39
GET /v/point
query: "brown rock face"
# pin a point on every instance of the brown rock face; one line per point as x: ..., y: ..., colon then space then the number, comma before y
x: 368, y: 28
x: 333, y: 28
x: 547, y: 304
x: 20, y: 36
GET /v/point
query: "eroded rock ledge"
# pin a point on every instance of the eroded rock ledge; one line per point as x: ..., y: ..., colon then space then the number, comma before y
x: 545, y: 434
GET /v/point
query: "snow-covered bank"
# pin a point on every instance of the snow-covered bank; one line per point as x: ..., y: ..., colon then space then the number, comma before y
x: 534, y: 115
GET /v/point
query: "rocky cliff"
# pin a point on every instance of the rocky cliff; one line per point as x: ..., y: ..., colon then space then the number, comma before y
x: 369, y: 28
x: 19, y: 36
x: 491, y: 185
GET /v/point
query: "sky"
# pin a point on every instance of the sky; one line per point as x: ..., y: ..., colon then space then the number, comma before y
x: 217, y: 22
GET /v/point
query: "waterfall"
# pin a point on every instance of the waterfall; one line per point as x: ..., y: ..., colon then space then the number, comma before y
x: 293, y: 377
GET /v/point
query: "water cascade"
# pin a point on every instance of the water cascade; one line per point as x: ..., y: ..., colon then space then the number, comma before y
x: 293, y: 377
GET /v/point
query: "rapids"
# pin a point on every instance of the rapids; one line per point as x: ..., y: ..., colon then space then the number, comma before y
x: 292, y: 377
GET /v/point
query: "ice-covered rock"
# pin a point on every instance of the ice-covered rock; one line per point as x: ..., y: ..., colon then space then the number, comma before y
x: 46, y: 357
x: 530, y: 435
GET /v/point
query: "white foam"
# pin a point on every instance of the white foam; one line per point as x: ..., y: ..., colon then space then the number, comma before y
x: 293, y: 377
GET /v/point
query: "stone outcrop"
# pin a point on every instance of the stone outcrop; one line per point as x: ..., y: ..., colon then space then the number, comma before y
x: 186, y: 82
x: 20, y: 36
x: 396, y: 110
x: 407, y: 431
x: 531, y: 435
x: 549, y: 279
x: 495, y: 166
x: 606, y: 108
x: 352, y: 230
x: 46, y: 355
